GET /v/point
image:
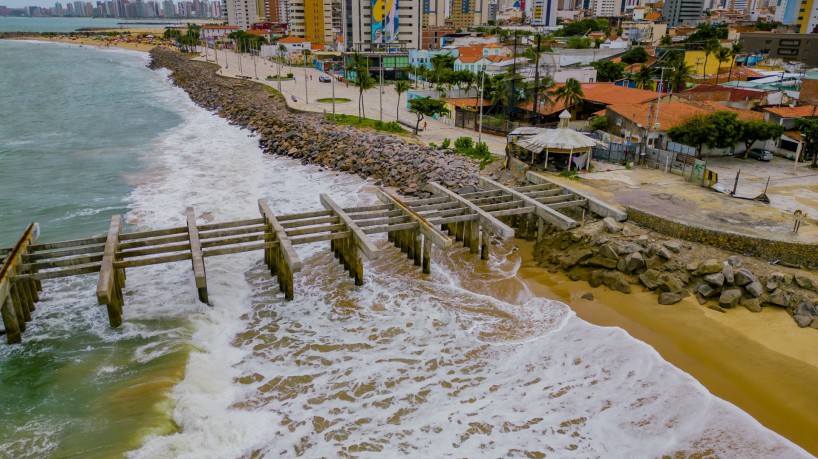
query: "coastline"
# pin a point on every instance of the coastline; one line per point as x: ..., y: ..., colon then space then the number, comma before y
x: 758, y: 362
x: 85, y: 41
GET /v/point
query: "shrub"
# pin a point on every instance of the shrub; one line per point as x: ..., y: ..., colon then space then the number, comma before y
x: 289, y: 75
x: 570, y: 174
x: 462, y: 144
x: 446, y: 143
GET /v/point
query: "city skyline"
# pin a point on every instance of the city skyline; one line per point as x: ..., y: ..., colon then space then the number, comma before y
x: 45, y: 4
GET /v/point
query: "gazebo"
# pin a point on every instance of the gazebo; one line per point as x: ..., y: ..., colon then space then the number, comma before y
x: 560, y: 141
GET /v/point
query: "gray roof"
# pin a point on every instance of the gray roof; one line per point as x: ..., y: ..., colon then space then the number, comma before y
x: 557, y: 139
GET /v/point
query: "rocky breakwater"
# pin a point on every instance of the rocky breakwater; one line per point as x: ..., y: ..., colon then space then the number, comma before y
x: 624, y: 257
x: 389, y: 160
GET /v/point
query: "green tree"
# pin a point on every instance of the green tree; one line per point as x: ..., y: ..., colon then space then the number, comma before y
x: 440, y: 62
x: 643, y: 78
x: 609, y: 71
x: 735, y: 51
x: 717, y: 130
x: 600, y: 123
x: 570, y: 94
x: 363, y: 80
x: 464, y: 79
x: 400, y: 88
x: 508, y: 91
x: 666, y: 40
x: 754, y: 130
x: 543, y: 90
x: 680, y: 74
x: 767, y: 26
x: 706, y: 32
x: 723, y: 55
x: 583, y: 27
x: 579, y: 43
x: 426, y: 106
x: 710, y: 48
x: 636, y: 55
x: 809, y: 132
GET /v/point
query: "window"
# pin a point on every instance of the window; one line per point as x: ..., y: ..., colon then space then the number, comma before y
x: 790, y: 43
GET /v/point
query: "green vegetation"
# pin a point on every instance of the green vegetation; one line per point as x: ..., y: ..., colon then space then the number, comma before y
x: 643, y: 78
x: 636, y: 55
x: 337, y: 100
x: 717, y: 130
x: 188, y: 40
x: 570, y: 94
x: 573, y: 174
x: 446, y: 143
x: 582, y: 27
x: 809, y: 132
x: 759, y: 130
x: 247, y: 41
x: 363, y: 80
x: 400, y: 88
x: 579, y: 43
x: 465, y: 146
x: 609, y: 71
x: 277, y: 78
x: 426, y: 106
x: 350, y: 120
x: 600, y: 123
x: 705, y: 32
x: 767, y: 26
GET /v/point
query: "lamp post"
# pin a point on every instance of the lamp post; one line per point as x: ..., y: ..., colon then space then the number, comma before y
x: 306, y: 95
x: 380, y: 93
x: 482, y: 90
x: 658, y: 101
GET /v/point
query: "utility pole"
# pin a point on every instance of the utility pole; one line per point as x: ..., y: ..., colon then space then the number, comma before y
x: 333, y: 94
x: 306, y: 95
x: 279, y: 68
x: 513, y: 97
x: 482, y: 91
x: 238, y: 48
x: 255, y: 69
x: 658, y: 100
x: 380, y: 93
x: 536, y: 78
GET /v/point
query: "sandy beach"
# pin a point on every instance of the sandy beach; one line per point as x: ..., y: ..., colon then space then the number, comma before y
x: 135, y: 44
x: 758, y: 361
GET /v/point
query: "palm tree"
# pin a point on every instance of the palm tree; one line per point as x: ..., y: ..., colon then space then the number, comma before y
x: 570, y: 94
x: 723, y: 55
x: 543, y: 90
x: 643, y: 77
x: 680, y: 74
x: 411, y: 70
x: 666, y: 40
x: 710, y: 47
x: 465, y: 80
x: 400, y: 87
x: 505, y: 89
x: 363, y: 80
x: 735, y: 51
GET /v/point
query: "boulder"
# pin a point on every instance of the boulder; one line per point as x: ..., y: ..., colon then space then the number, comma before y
x: 665, y: 253
x: 674, y: 246
x: 804, y: 282
x: 643, y: 240
x: 670, y: 283
x: 628, y: 248
x: 805, y: 308
x: 669, y: 298
x: 717, y: 308
x: 788, y: 278
x: 601, y: 262
x: 715, y: 279
x: 709, y: 267
x: 650, y: 279
x: 621, y: 265
x: 754, y: 289
x: 779, y: 298
x: 802, y: 321
x: 734, y: 261
x: 611, y: 225
x: 814, y: 323
x: 634, y: 262
x: 729, y: 298
x: 744, y: 277
x: 692, y: 266
x: 655, y: 262
x: 629, y: 231
x: 752, y: 304
x: 774, y: 281
x: 588, y: 296
x: 702, y: 300
x: 728, y: 274
x: 596, y: 278
x: 575, y: 257
x: 615, y: 280
x: 608, y: 251
x: 706, y: 290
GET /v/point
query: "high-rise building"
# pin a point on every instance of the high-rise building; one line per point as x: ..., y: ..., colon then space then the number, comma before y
x: 384, y: 24
x: 241, y: 13
x: 434, y: 13
x: 465, y: 13
x: 607, y: 8
x: 807, y: 21
x: 786, y: 11
x: 311, y: 20
x: 544, y: 13
x: 676, y: 11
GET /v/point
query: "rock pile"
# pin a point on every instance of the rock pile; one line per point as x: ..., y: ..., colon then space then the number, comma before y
x: 312, y: 139
x: 619, y: 257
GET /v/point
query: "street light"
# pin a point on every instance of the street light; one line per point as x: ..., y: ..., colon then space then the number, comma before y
x: 306, y: 95
x: 482, y: 88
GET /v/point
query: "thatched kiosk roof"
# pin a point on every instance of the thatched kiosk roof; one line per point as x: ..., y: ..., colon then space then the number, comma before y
x: 560, y: 140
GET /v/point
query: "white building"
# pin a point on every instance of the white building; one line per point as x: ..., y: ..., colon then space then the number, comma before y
x: 607, y: 8
x: 241, y: 13
x: 544, y: 13
x: 217, y: 31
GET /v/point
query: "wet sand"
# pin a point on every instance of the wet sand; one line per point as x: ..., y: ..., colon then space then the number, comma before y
x: 761, y: 362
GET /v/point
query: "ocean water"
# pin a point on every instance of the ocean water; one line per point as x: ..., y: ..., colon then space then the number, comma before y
x: 62, y: 25
x: 464, y: 362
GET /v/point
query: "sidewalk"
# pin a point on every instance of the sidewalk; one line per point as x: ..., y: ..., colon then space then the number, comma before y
x: 306, y: 91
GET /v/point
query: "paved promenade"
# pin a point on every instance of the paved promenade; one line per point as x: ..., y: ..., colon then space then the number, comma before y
x: 306, y: 95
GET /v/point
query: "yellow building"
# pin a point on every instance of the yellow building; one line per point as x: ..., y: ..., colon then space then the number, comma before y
x: 696, y: 61
x: 806, y: 12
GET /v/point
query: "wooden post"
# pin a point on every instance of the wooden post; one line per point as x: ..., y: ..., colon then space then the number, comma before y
x: 10, y: 322
x: 107, y: 286
x: 485, y: 243
x: 287, y: 260
x: 474, y: 237
x: 540, y: 229
x: 418, y: 248
x: 410, y: 246
x: 21, y: 307
x: 197, y: 259
x: 427, y: 255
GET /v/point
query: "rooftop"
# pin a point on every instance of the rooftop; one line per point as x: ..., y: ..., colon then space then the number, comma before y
x: 468, y: 102
x: 736, y: 94
x: 793, y: 112
x: 675, y: 113
x: 292, y: 40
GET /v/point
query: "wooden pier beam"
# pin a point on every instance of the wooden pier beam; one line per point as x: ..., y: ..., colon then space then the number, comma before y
x: 197, y: 259
x: 16, y: 301
x: 486, y: 219
x: 108, y: 289
x: 286, y: 260
x: 543, y: 211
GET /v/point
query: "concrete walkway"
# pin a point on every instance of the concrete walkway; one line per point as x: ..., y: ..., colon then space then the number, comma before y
x: 306, y: 91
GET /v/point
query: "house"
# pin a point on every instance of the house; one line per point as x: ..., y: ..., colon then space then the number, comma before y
x: 477, y: 64
x: 596, y: 97
x: 790, y: 144
x: 741, y: 98
x: 210, y: 32
x: 294, y: 45
x: 650, y: 121
x: 266, y: 34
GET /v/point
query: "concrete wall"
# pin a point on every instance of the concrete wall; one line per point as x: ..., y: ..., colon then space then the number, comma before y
x: 767, y: 249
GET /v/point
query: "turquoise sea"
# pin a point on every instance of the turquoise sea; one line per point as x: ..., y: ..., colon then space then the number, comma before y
x: 28, y: 24
x: 464, y: 362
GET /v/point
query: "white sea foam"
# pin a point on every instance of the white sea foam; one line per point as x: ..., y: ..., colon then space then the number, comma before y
x: 404, y: 365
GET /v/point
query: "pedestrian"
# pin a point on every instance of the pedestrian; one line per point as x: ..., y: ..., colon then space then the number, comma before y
x: 798, y: 215
x: 424, y: 126
x: 310, y: 77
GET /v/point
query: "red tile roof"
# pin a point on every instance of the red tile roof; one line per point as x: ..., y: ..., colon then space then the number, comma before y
x: 601, y: 93
x: 220, y: 27
x: 793, y: 112
x: 292, y: 40
x: 468, y: 102
x: 470, y: 50
x: 736, y: 94
x: 675, y: 113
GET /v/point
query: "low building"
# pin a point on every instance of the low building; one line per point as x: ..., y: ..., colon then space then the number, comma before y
x: 216, y: 31
x: 730, y: 96
x: 788, y: 46
x: 790, y: 144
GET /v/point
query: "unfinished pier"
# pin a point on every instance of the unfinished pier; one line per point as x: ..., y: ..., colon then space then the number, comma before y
x: 473, y: 218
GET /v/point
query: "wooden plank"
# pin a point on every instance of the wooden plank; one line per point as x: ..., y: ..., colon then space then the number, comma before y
x: 287, y: 250
x: 320, y: 238
x: 383, y: 221
x: 66, y: 244
x: 502, y: 205
x: 153, y: 250
x: 11, y: 319
x: 239, y: 249
x: 440, y: 206
x: 387, y: 228
x: 541, y: 210
x: 371, y: 215
x: 152, y: 233
x: 232, y: 232
x: 540, y: 187
x: 197, y: 259
x: 75, y: 271
x: 153, y: 242
x: 487, y: 221
x: 62, y: 263
x: 420, y: 202
x: 235, y: 240
x: 354, y: 210
x: 370, y: 250
x: 448, y: 213
x: 542, y: 194
x: 567, y: 204
x: 513, y: 211
x: 555, y: 199
x: 310, y: 222
x: 427, y: 229
x: 105, y: 284
x: 594, y: 205
x: 303, y: 215
x: 315, y: 229
x: 480, y: 194
x: 233, y: 224
x: 181, y: 256
x: 46, y: 255
x: 453, y: 219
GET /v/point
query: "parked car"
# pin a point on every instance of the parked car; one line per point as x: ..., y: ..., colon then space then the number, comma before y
x: 324, y: 79
x: 760, y: 154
